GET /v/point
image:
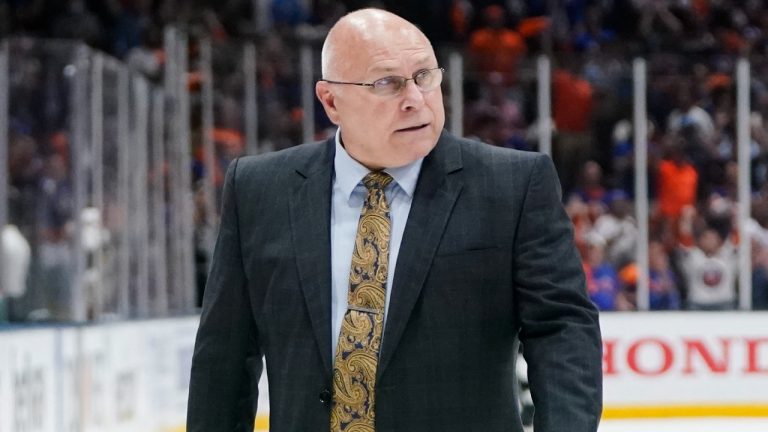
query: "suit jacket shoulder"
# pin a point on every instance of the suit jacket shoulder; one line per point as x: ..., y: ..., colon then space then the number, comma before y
x: 275, y: 166
x: 500, y: 160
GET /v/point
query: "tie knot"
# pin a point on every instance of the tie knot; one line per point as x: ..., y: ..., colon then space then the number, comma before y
x: 377, y: 180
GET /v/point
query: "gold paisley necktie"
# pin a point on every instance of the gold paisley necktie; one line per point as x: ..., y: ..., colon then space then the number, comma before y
x: 357, y: 355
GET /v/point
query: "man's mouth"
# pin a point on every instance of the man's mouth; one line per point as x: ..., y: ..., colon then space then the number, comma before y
x: 413, y: 128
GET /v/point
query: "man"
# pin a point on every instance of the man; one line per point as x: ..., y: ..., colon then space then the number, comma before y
x: 387, y: 273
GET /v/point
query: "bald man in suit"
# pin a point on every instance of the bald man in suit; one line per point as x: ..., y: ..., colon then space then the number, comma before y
x: 387, y: 274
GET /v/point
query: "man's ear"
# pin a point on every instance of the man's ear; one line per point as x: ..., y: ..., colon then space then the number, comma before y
x: 328, y: 99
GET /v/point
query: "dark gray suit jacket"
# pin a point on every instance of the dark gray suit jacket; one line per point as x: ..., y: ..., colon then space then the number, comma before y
x: 487, y: 257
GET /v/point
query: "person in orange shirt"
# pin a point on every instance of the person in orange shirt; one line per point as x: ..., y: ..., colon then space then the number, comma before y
x: 572, y: 107
x: 495, y: 49
x: 677, y: 182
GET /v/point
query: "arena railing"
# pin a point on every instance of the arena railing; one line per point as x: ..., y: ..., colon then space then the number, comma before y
x: 99, y: 182
x: 115, y: 179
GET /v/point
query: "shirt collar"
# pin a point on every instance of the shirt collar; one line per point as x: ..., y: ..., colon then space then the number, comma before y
x: 349, y: 172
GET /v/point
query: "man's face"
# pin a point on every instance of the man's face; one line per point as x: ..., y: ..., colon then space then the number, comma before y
x: 385, y: 131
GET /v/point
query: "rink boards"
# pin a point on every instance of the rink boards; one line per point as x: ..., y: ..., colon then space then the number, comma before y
x: 687, y: 364
x: 133, y: 376
x: 128, y: 376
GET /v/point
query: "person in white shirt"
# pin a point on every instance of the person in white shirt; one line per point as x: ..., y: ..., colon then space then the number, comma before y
x: 709, y: 269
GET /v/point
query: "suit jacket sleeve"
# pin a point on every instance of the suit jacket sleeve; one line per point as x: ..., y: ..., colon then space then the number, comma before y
x: 559, y: 325
x: 227, y: 363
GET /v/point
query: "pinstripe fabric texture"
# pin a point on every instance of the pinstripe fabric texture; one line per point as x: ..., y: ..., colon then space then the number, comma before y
x: 357, y: 355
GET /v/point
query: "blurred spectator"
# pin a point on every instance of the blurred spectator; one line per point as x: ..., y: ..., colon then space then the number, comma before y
x: 25, y: 165
x: 590, y: 185
x: 621, y: 154
x: 657, y: 23
x: 662, y: 282
x: 461, y: 14
x: 148, y: 56
x: 618, y: 228
x: 689, y: 115
x: 759, y: 276
x: 495, y: 49
x: 602, y: 279
x: 587, y: 31
x: 719, y: 214
x: 664, y: 294
x: 759, y: 151
x: 676, y: 182
x: 56, y: 224
x: 757, y: 229
x: 709, y: 268
x: 578, y: 212
x: 496, y: 118
x: 15, y: 253
x: 697, y: 132
x: 723, y: 107
x: 572, y: 110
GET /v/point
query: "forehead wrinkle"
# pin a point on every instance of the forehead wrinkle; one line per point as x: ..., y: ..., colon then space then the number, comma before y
x: 421, y: 62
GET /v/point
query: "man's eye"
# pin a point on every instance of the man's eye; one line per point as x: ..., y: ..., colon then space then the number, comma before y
x: 385, y: 82
x: 423, y: 74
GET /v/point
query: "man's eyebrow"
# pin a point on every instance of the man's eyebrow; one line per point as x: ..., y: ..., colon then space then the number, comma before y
x: 422, y: 62
x: 383, y: 69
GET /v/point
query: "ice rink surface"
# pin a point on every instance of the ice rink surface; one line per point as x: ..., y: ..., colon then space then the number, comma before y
x: 686, y: 425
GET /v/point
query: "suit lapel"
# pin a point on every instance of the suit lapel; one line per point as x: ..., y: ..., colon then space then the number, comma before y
x: 310, y: 212
x: 433, y: 201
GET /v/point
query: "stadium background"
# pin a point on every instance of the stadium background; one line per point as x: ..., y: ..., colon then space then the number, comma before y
x: 118, y: 119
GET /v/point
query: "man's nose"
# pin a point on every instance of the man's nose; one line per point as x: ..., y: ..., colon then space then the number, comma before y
x: 413, y: 97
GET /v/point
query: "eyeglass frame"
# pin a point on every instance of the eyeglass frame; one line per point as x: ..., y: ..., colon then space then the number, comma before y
x: 372, y: 85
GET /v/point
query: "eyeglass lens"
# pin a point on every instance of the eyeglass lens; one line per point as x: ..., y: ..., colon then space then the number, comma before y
x: 425, y: 80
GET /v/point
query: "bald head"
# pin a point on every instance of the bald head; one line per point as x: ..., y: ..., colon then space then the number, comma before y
x: 357, y: 32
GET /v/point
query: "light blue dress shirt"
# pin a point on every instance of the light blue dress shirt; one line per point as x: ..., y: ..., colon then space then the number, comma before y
x: 346, y: 203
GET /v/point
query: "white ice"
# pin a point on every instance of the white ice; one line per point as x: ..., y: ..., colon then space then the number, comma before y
x: 686, y: 425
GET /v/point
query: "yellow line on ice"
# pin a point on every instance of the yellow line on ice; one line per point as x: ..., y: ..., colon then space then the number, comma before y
x: 624, y: 412
x: 699, y: 410
x: 261, y: 424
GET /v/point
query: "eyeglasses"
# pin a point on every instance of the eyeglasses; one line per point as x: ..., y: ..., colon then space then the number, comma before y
x: 425, y: 80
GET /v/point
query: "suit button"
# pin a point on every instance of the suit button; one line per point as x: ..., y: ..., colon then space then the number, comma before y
x: 325, y: 396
